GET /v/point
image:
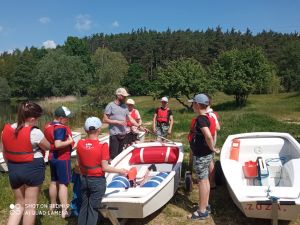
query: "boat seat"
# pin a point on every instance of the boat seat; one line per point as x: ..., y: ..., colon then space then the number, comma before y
x: 291, y: 168
x: 162, y: 167
x: 156, y: 180
x: 119, y: 182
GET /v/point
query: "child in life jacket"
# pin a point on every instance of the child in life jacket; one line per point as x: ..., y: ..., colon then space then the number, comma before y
x: 132, y: 131
x: 24, y: 146
x: 93, y: 157
x: 60, y: 137
x: 163, y: 120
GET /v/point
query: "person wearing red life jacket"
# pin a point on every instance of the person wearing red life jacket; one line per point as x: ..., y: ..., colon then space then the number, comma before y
x: 132, y: 131
x: 60, y: 137
x: 163, y: 119
x: 24, y: 146
x: 93, y: 157
x: 214, y: 115
x: 202, y: 149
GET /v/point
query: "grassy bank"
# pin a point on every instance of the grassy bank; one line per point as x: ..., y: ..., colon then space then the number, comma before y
x: 280, y: 113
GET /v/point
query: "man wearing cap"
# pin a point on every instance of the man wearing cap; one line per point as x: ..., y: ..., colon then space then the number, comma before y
x: 202, y: 149
x: 132, y: 131
x: 116, y: 115
x: 163, y: 119
x: 60, y: 137
x: 93, y: 157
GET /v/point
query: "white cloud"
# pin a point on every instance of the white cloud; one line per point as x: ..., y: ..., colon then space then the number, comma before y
x: 44, y: 20
x: 83, y: 22
x: 49, y: 44
x: 115, y: 24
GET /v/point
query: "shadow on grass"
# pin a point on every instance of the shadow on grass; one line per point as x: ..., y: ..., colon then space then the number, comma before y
x: 226, y: 106
x: 151, y: 110
x: 295, y: 95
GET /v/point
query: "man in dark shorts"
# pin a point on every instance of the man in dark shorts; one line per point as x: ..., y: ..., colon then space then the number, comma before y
x: 116, y: 114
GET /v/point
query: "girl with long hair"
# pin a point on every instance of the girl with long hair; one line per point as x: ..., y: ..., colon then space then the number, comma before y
x: 24, y: 145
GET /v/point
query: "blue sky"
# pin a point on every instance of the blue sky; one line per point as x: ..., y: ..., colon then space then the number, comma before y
x: 44, y: 22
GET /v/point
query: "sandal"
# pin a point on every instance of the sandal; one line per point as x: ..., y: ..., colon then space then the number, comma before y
x: 197, y: 215
x: 208, y: 208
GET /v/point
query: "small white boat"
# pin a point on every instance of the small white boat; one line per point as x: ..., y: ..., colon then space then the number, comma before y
x: 158, y: 167
x: 262, y: 171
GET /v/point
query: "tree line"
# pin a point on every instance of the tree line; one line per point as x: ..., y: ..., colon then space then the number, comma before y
x: 173, y: 63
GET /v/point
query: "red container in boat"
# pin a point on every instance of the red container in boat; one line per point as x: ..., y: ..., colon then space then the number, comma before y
x: 235, y: 149
x: 250, y: 169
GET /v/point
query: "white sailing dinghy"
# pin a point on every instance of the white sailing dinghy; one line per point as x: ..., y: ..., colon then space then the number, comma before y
x: 262, y: 171
x: 158, y: 169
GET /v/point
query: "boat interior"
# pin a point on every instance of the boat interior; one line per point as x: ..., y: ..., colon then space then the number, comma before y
x: 264, y: 161
x: 149, y: 168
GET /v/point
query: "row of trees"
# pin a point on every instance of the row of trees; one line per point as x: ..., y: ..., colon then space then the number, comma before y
x: 177, y: 64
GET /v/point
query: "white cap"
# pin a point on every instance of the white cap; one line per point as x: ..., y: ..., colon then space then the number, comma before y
x: 122, y: 91
x: 92, y: 123
x: 164, y: 99
x: 130, y: 101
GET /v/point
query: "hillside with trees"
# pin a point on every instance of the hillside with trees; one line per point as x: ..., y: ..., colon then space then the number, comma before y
x: 148, y: 62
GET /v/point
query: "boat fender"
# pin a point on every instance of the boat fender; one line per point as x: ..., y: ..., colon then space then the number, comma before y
x: 154, y: 154
x: 156, y: 180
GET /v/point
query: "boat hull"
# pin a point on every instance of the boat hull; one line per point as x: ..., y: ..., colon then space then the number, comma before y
x: 140, y: 202
x: 255, y: 199
x: 254, y: 209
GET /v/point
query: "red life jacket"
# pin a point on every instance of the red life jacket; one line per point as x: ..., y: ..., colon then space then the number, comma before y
x: 134, y: 116
x: 17, y: 148
x: 89, y: 153
x: 212, y: 127
x: 62, y: 153
x: 162, y: 115
x: 192, y: 129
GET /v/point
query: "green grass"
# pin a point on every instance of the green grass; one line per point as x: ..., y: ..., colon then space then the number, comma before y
x: 279, y: 113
